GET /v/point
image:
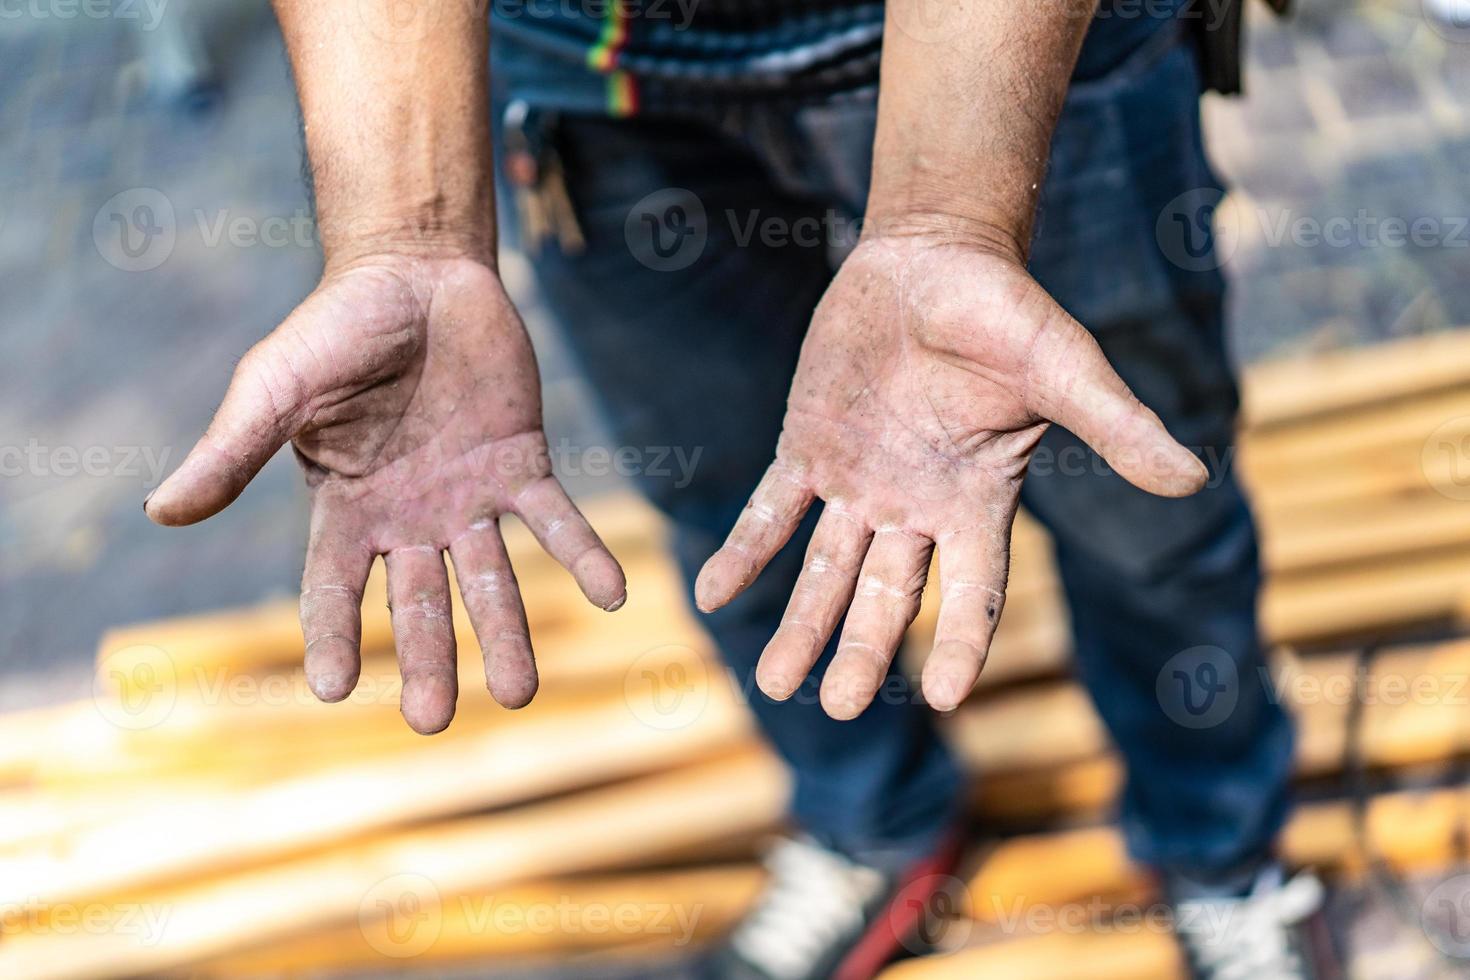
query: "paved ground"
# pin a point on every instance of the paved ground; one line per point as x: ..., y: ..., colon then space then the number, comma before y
x: 1358, y: 112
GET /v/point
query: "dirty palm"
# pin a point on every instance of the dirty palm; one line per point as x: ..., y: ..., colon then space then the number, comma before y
x: 409, y: 391
x: 930, y: 372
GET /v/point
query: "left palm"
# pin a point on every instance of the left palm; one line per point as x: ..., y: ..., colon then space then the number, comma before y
x: 929, y: 374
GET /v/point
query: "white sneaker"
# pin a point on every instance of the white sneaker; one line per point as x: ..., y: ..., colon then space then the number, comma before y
x: 1275, y: 932
x: 824, y: 916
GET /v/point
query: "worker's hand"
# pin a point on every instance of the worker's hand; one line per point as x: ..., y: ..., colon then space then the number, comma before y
x: 409, y: 390
x: 929, y: 374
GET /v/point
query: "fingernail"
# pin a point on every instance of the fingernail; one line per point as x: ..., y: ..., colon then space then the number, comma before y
x: 617, y: 603
x: 778, y: 688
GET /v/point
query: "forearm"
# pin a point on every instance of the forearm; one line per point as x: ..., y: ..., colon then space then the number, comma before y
x: 965, y: 115
x: 397, y: 128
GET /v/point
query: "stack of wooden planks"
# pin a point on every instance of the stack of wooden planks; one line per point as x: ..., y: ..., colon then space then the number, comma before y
x: 203, y: 815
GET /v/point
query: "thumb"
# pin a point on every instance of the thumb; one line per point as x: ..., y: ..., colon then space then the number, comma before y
x: 263, y: 407
x: 1072, y: 384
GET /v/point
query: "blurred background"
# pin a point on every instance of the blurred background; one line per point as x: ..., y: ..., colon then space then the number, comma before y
x: 172, y: 780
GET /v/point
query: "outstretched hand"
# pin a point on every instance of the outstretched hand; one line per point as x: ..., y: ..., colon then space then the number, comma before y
x: 409, y: 390
x: 928, y: 376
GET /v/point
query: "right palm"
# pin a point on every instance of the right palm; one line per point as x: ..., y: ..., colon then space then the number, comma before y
x: 409, y: 390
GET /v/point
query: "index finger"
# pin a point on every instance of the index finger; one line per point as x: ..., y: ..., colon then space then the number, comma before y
x: 763, y: 528
x: 565, y: 534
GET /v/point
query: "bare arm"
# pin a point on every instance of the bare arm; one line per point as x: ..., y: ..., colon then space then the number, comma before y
x: 397, y: 126
x: 971, y: 93
x: 405, y: 382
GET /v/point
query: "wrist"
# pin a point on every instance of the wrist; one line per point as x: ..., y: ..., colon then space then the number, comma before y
x: 972, y: 228
x: 421, y: 233
x: 425, y: 192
